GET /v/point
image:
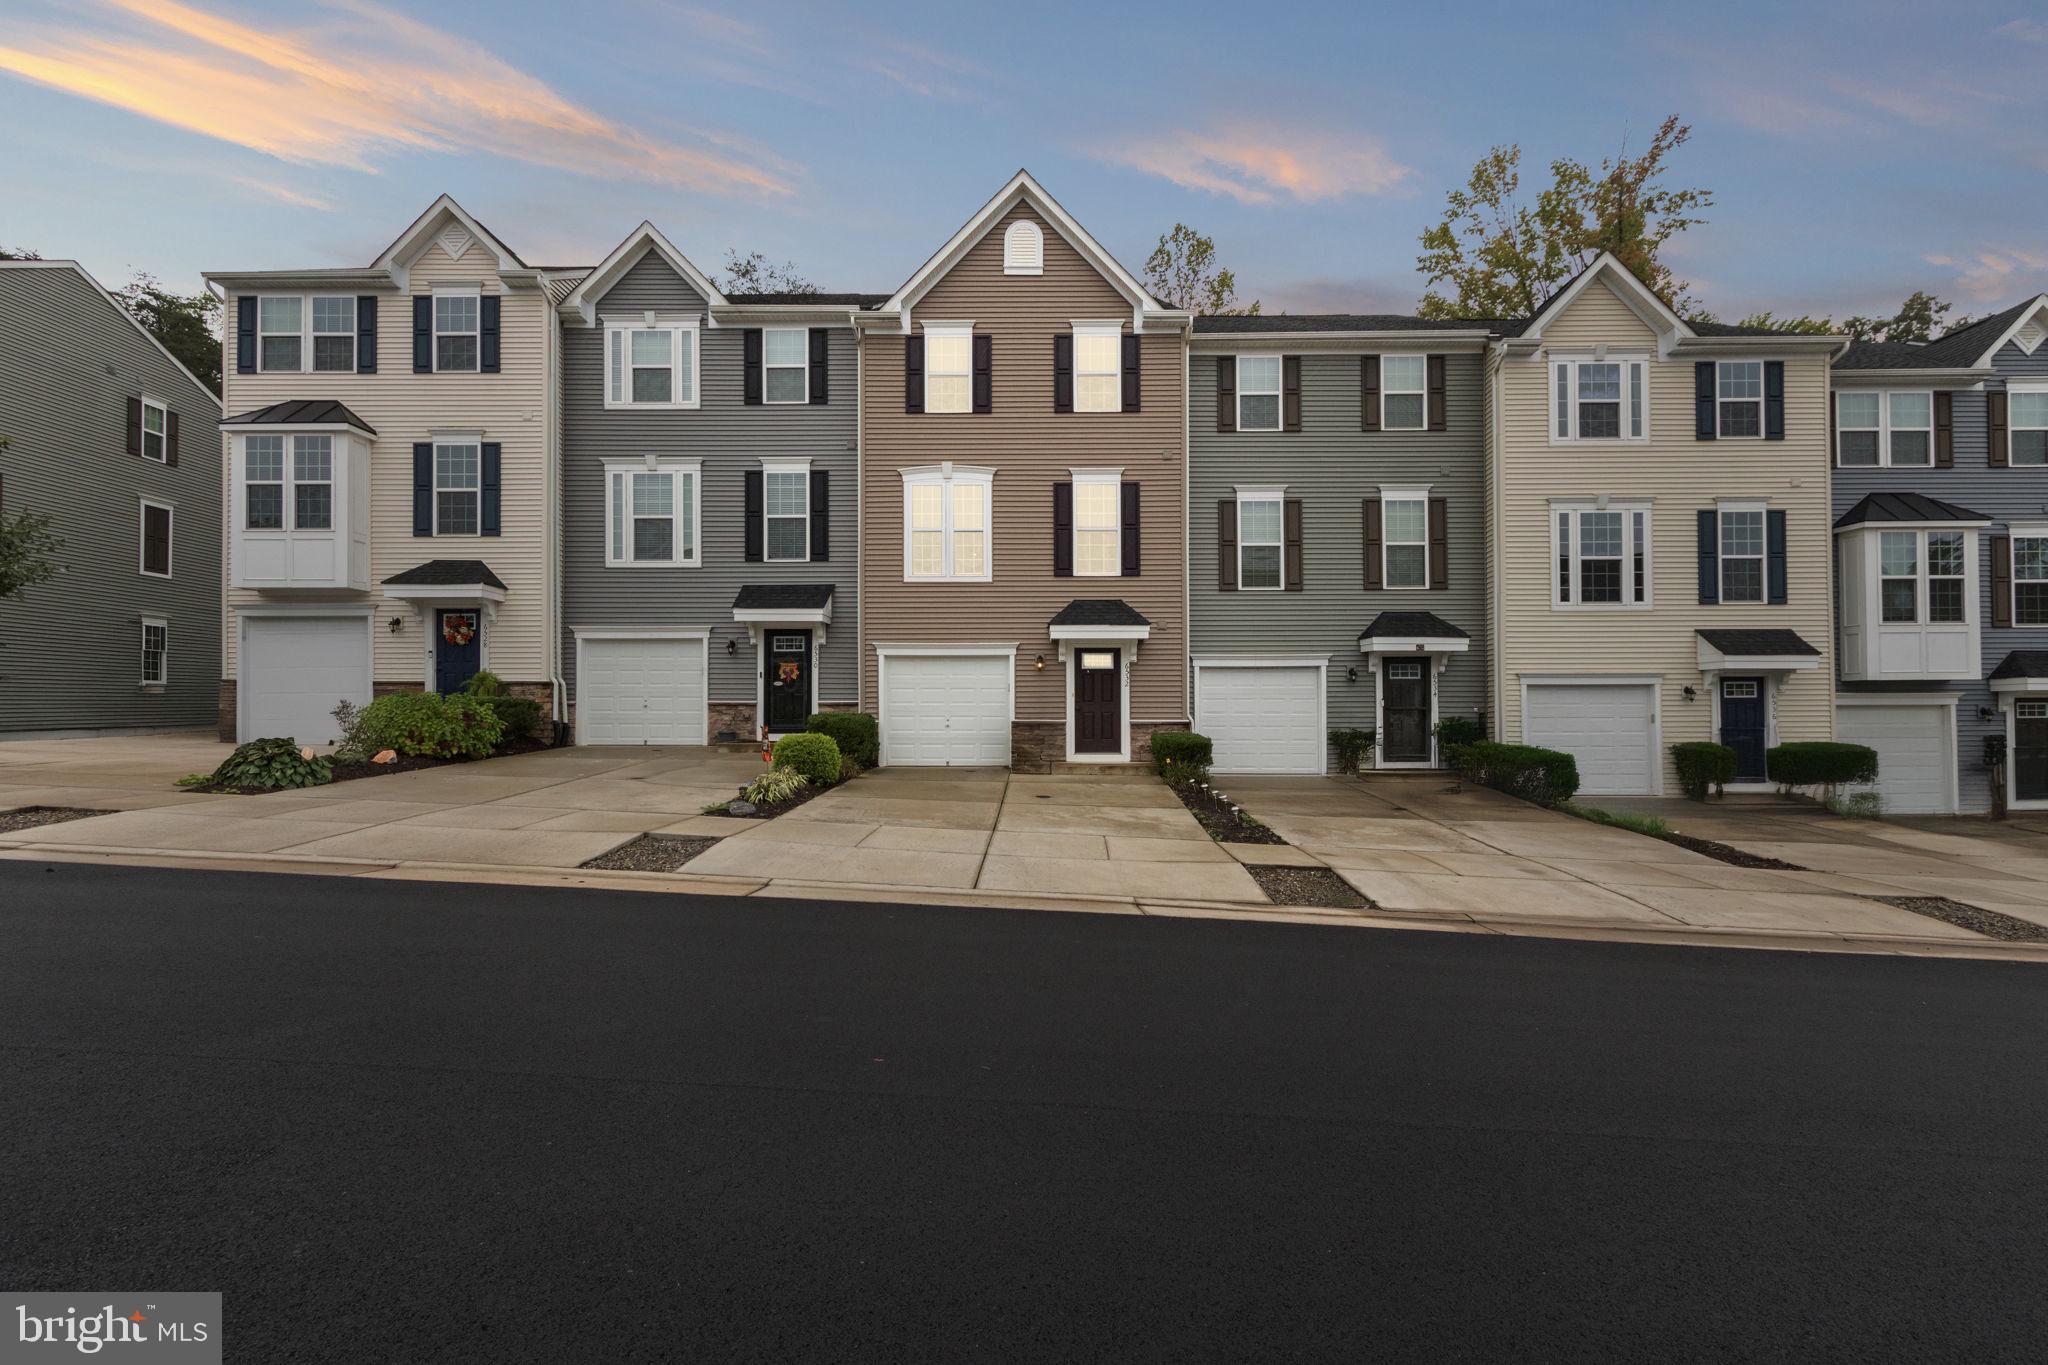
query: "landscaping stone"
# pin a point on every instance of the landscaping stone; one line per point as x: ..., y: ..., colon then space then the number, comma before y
x: 652, y: 853
x: 1989, y: 923
x: 34, y: 817
x: 1316, y: 886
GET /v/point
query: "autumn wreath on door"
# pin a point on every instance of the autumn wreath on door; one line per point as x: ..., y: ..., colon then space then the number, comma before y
x: 458, y: 627
x: 786, y: 671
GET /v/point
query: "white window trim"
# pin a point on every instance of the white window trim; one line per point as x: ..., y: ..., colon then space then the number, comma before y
x: 1721, y: 556
x: 2013, y: 548
x: 1098, y: 329
x: 142, y: 537
x: 1389, y: 495
x: 163, y: 625
x: 655, y: 465
x: 1625, y: 506
x: 803, y: 368
x: 335, y: 447
x: 1884, y: 428
x: 948, y: 330
x: 1632, y: 366
x: 287, y: 481
x: 1387, y: 391
x: 441, y: 439
x: 1012, y: 263
x: 1114, y: 478
x: 2012, y: 426
x: 769, y: 467
x: 354, y: 334
x: 1761, y: 380
x: 441, y: 291
x: 617, y: 343
x: 1275, y: 495
x: 945, y: 476
x: 1923, y: 576
x: 304, y: 335
x: 1279, y: 390
x: 163, y: 410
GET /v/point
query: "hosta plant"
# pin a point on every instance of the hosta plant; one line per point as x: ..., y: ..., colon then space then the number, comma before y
x: 273, y: 765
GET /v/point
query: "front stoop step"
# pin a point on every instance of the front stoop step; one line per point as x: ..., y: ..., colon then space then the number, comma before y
x: 1369, y: 774
x: 1132, y: 770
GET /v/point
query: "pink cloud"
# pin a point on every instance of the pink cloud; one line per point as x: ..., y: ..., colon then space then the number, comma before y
x: 1259, y: 164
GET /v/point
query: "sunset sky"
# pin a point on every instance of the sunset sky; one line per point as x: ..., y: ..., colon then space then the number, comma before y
x: 1856, y: 152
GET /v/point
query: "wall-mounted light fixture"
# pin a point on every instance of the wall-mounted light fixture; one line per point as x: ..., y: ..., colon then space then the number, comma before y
x: 1690, y: 694
x: 1039, y: 663
x: 1987, y: 713
x: 397, y: 624
x: 732, y: 647
x: 1351, y: 674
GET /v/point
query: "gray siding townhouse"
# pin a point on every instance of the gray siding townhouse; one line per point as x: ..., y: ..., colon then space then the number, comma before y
x: 709, y: 533
x: 1941, y: 542
x: 1337, y: 535
x: 120, y: 445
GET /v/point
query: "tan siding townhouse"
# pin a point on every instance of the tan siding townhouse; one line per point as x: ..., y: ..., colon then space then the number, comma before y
x: 1658, y: 493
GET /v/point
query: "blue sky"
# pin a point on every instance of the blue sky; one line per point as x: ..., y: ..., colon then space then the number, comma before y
x: 1856, y: 152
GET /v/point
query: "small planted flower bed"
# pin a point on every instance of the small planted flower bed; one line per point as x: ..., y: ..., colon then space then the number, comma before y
x: 838, y: 745
x: 1181, y: 758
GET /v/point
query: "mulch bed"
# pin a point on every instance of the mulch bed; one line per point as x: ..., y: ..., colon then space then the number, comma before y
x: 350, y: 771
x: 775, y: 808
x: 1216, y: 817
x: 1989, y: 923
x: 652, y: 853
x: 1728, y: 853
x: 35, y: 817
x: 1316, y: 886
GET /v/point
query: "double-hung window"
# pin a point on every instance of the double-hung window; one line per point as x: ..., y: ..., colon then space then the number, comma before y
x: 458, y: 329
x: 786, y: 503
x: 1909, y: 429
x: 1261, y: 531
x: 458, y: 487
x: 1603, y: 556
x: 651, y: 514
x: 156, y: 651
x: 1098, y: 521
x: 1742, y: 554
x: 263, y: 483
x: 334, y: 334
x: 156, y: 423
x: 280, y: 332
x: 1258, y: 393
x: 2027, y: 412
x: 1859, y: 429
x: 1921, y: 577
x: 1874, y: 429
x: 946, y: 523
x: 948, y: 369
x: 1404, y: 393
x: 1599, y: 399
x: 1404, y: 532
x: 313, y: 483
x: 156, y: 539
x: 651, y: 366
x: 2030, y: 580
x: 304, y: 465
x: 1739, y: 398
x: 785, y: 365
x: 1098, y: 368
x: 1899, y: 576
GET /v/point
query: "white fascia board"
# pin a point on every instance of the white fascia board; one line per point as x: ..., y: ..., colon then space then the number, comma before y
x: 1712, y: 660
x: 436, y: 592
x: 1652, y: 310
x: 1412, y: 644
x: 1100, y: 632
x: 1897, y: 698
x: 1841, y: 380
x: 2019, y: 685
x: 780, y: 616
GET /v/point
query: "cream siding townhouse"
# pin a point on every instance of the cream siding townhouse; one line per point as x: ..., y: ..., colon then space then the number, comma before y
x: 1657, y: 493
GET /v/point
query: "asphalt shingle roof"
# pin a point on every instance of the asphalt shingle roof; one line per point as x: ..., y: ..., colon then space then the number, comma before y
x: 1957, y: 350
x: 783, y: 597
x: 301, y: 412
x: 2022, y: 663
x: 436, y: 573
x: 1339, y: 322
x: 1411, y: 625
x: 1757, y: 642
x: 1099, y: 611
x: 1905, y: 507
x: 822, y: 300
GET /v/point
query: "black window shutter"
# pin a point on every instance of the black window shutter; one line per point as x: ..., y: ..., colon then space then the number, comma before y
x: 493, y: 483
x: 1439, y: 394
x: 1226, y: 398
x: 1292, y: 508
x: 1128, y: 524
x: 1063, y: 529
x: 1774, y: 400
x: 1710, y: 555
x: 1226, y: 541
x: 1375, y: 560
x: 821, y: 366
x: 1439, y: 543
x: 984, y: 372
x: 134, y: 425
x: 171, y: 438
x: 1994, y: 427
x: 2001, y: 580
x: 755, y: 504
x: 1062, y: 371
x: 750, y: 367
x: 1368, y: 393
x: 1774, y: 556
x: 1290, y: 392
x: 1944, y: 430
x: 1703, y: 403
x: 423, y: 488
x: 423, y: 336
x: 366, y: 334
x: 1134, y: 389
x: 913, y: 374
x: 487, y: 329
x: 821, y: 508
x: 245, y: 334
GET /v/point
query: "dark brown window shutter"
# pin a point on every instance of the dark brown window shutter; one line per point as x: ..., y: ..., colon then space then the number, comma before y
x: 1375, y: 558
x: 1439, y: 543
x: 1290, y: 392
x: 1994, y: 427
x: 1439, y: 399
x: 1134, y: 357
x: 1128, y: 522
x: 821, y: 366
x: 1063, y: 529
x: 171, y: 438
x: 750, y: 366
x: 1226, y: 542
x: 1944, y: 430
x: 984, y: 372
x: 1226, y: 398
x: 913, y: 374
x: 134, y: 425
x: 821, y: 513
x: 1368, y: 393
x: 2001, y: 580
x: 1293, y: 534
x: 1063, y: 372
x: 754, y: 503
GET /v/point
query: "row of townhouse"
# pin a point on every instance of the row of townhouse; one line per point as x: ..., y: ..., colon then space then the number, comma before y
x: 678, y: 515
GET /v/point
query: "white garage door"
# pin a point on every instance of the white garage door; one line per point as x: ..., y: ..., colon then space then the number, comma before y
x: 296, y: 669
x: 1606, y: 727
x: 1915, y: 745
x: 640, y: 691
x: 946, y: 710
x: 1261, y: 719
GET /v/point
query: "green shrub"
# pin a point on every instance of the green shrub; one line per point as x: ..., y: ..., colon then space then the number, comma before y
x: 855, y: 732
x: 1863, y: 805
x: 484, y: 683
x: 815, y: 756
x: 1454, y: 732
x: 1543, y: 776
x: 1182, y: 755
x: 272, y: 765
x: 521, y: 716
x: 777, y: 784
x: 426, y: 723
x: 1353, y: 748
x: 1820, y: 763
x: 1702, y: 767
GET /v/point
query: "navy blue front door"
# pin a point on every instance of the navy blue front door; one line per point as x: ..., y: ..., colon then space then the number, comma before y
x: 1744, y: 725
x: 458, y: 650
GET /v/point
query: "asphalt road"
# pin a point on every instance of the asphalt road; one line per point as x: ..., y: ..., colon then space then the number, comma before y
x: 397, y: 1121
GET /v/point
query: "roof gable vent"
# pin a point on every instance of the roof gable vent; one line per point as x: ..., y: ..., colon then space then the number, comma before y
x: 1023, y: 249
x: 455, y: 240
x: 2032, y: 332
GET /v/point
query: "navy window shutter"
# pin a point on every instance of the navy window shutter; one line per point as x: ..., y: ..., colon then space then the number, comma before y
x: 366, y: 334
x: 821, y: 508
x: 1128, y: 528
x: 487, y: 339
x: 750, y: 367
x: 821, y: 367
x: 1774, y: 523
x: 1703, y: 402
x: 913, y: 374
x: 1710, y: 556
x: 1774, y: 400
x: 1134, y: 355
x: 1062, y: 371
x: 984, y: 372
x: 493, y: 483
x: 1063, y: 529
x: 423, y: 488
x: 755, y: 504
x: 245, y: 334
x: 422, y: 333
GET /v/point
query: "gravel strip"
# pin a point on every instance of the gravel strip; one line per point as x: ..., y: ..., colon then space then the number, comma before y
x: 1317, y: 886
x: 1221, y: 825
x: 653, y: 853
x: 1989, y: 923
x: 1728, y: 853
x: 34, y: 817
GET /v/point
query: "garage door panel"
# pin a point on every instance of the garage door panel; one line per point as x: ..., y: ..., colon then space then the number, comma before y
x: 296, y: 669
x: 1262, y: 719
x: 946, y: 710
x: 641, y: 691
x: 1607, y: 728
x: 1915, y: 754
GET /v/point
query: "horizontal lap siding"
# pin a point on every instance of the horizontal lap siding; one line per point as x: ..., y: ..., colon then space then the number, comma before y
x: 71, y: 649
x: 509, y: 407
x: 730, y: 438
x: 1031, y: 447
x: 1333, y: 466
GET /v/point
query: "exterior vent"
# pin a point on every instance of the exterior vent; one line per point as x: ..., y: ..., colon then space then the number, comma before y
x: 455, y: 240
x: 1023, y: 249
x: 2032, y: 335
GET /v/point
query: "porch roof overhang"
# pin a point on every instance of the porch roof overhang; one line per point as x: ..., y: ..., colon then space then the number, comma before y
x: 1412, y: 632
x: 1760, y: 651
x: 1099, y: 618
x: 2023, y: 670
x: 300, y: 414
x: 784, y: 604
x: 446, y: 580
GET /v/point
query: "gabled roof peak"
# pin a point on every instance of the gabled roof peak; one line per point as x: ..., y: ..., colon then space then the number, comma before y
x: 623, y: 257
x: 428, y: 227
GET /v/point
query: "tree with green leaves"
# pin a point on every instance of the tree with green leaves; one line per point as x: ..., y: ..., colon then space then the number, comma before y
x: 1496, y: 254
x: 1182, y: 271
x: 28, y: 548
x: 1771, y: 322
x: 188, y: 325
x: 1919, y: 319
x: 754, y: 273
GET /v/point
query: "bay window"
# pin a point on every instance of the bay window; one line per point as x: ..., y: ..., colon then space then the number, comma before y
x: 651, y: 514
x: 1258, y: 393
x: 1261, y: 561
x: 1602, y: 555
x: 263, y: 483
x: 946, y: 519
x: 2030, y: 580
x: 651, y: 367
x: 1921, y: 577
x: 1598, y: 400
x: 313, y: 483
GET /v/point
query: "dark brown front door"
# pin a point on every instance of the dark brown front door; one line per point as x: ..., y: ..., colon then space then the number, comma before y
x: 1098, y: 701
x: 1406, y: 708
